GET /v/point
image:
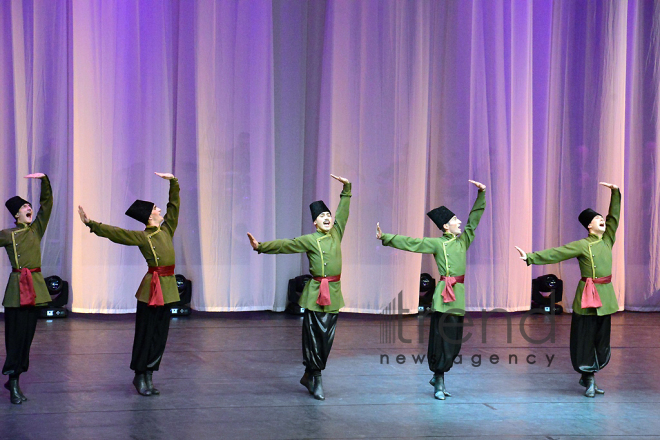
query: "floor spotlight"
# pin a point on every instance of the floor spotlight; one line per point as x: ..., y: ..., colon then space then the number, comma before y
x: 59, y: 298
x: 296, y: 287
x: 426, y: 289
x: 182, y: 308
x: 547, y: 292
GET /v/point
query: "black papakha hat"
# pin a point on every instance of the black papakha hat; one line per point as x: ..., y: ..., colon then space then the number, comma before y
x: 140, y: 210
x: 318, y: 208
x: 586, y: 216
x: 440, y: 216
x: 15, y: 203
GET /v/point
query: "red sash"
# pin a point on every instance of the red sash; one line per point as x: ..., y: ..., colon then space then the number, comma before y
x: 155, y: 291
x: 448, y: 291
x: 26, y: 286
x: 590, y: 297
x: 324, y: 289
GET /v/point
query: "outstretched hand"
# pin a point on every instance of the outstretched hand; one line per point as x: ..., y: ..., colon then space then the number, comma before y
x: 82, y: 214
x: 35, y: 176
x: 481, y: 186
x: 608, y: 185
x: 165, y: 176
x: 379, y: 233
x: 253, y: 241
x: 523, y: 254
x: 341, y: 179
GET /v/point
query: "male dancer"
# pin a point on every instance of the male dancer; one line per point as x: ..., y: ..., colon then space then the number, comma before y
x: 322, y: 297
x: 26, y: 289
x: 595, y: 300
x: 448, y: 307
x: 158, y: 287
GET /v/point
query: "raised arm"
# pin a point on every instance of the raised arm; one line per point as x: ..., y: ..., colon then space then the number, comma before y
x: 117, y: 235
x: 284, y: 246
x: 612, y: 219
x: 475, y: 214
x: 418, y: 245
x: 112, y: 233
x: 171, y: 219
x: 555, y: 255
x: 341, y: 216
x: 45, y: 204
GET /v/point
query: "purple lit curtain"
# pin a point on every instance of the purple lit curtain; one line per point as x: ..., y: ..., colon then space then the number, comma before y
x: 252, y: 104
x: 35, y: 120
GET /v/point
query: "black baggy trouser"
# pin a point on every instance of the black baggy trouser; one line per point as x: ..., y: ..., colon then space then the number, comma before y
x: 590, y: 342
x: 318, y: 334
x: 20, y: 325
x: 152, y: 325
x: 445, y: 340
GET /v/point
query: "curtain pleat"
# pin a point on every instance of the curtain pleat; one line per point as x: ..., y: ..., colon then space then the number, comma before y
x: 253, y: 104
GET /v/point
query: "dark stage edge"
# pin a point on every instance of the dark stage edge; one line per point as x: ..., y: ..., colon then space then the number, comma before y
x: 235, y: 376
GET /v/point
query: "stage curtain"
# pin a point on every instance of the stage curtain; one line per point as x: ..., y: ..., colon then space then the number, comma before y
x: 252, y: 104
x: 35, y: 120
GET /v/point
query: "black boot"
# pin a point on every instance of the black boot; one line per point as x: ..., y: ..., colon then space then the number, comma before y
x: 444, y: 387
x: 318, y: 388
x: 438, y: 386
x: 444, y: 390
x: 14, y: 394
x: 598, y: 390
x: 583, y: 382
x: 18, y: 386
x: 308, y: 381
x: 140, y: 384
x: 148, y: 378
x: 591, y: 385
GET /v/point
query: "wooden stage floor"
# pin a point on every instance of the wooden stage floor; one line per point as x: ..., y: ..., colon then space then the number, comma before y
x: 235, y: 376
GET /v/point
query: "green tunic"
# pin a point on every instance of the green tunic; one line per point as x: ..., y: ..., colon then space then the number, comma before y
x: 23, y: 245
x: 450, y: 254
x: 595, y: 257
x: 324, y: 254
x: 155, y: 243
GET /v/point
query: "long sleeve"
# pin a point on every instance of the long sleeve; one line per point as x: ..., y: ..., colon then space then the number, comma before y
x: 117, y: 235
x: 612, y: 220
x: 171, y: 219
x: 341, y: 216
x: 419, y: 245
x: 45, y: 208
x: 284, y: 246
x: 5, y: 237
x: 473, y: 219
x: 555, y: 255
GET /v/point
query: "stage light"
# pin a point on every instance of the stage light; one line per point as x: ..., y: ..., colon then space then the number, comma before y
x: 426, y: 289
x: 182, y: 308
x: 294, y: 291
x: 59, y: 298
x: 547, y: 292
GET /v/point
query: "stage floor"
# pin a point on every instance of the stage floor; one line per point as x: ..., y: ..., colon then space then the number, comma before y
x: 235, y: 375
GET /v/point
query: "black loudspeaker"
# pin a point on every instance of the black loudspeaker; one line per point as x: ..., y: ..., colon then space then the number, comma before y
x: 547, y: 292
x: 182, y: 308
x: 59, y: 298
x: 296, y: 287
x: 426, y: 289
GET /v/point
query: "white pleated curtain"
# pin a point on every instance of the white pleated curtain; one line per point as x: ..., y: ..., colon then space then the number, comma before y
x: 35, y: 125
x: 252, y: 104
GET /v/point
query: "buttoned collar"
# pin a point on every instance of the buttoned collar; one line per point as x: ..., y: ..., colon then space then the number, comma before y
x: 152, y: 230
x: 593, y: 238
